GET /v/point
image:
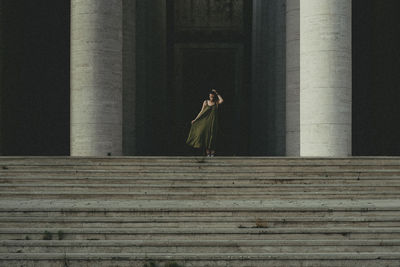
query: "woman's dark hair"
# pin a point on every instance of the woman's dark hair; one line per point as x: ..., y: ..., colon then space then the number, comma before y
x: 215, y: 98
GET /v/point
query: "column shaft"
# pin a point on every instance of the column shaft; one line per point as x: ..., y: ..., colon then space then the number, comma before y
x: 96, y: 77
x: 1, y: 75
x: 129, y: 78
x: 293, y: 77
x: 325, y: 78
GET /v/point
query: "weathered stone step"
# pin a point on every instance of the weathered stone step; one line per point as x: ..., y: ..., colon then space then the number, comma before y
x: 381, y: 181
x: 182, y: 168
x: 207, y: 231
x: 71, y: 212
x: 333, y: 217
x: 208, y: 169
x: 167, y: 188
x: 199, y: 246
x: 204, y: 175
x: 197, y: 221
x: 344, y: 205
x: 203, y: 259
x: 254, y: 224
x: 105, y: 195
x: 123, y: 160
x: 342, y: 233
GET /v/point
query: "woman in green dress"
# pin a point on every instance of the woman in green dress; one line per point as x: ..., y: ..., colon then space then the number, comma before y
x: 203, y: 132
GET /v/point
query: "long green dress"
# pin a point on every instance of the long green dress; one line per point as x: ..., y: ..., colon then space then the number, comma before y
x: 203, y: 132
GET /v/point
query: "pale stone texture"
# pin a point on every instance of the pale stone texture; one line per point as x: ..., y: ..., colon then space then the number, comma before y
x: 129, y: 77
x: 96, y: 77
x: 325, y: 78
x: 1, y: 73
x: 293, y: 77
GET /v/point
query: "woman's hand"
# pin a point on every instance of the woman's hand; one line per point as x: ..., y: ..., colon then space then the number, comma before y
x: 193, y: 121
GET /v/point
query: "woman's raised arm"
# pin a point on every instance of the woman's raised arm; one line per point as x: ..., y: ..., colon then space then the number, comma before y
x: 220, y: 99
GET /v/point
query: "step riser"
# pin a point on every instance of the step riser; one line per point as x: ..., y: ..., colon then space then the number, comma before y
x: 229, y: 215
x: 200, y: 182
x: 206, y: 168
x: 203, y: 174
x: 205, y: 263
x: 189, y: 192
x: 201, y: 188
x: 199, y: 225
x: 315, y: 196
x: 195, y: 158
x: 210, y: 249
x: 211, y: 236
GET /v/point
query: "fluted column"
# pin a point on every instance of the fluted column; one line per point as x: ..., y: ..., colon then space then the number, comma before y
x: 96, y: 77
x: 1, y: 74
x: 293, y: 77
x: 325, y: 78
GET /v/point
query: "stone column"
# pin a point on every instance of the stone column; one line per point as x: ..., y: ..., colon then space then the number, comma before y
x: 325, y: 78
x: 129, y: 78
x: 1, y: 75
x: 293, y: 78
x: 96, y: 77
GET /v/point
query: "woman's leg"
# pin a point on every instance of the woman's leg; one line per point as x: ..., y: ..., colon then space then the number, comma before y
x: 212, y: 152
x: 208, y: 152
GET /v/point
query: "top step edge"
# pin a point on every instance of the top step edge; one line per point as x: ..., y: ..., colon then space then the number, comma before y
x: 201, y: 157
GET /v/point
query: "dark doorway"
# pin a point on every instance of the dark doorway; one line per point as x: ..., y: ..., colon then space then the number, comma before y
x: 376, y: 79
x: 209, y: 47
x: 34, y: 77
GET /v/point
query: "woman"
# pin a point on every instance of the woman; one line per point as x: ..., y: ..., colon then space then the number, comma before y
x: 203, y: 132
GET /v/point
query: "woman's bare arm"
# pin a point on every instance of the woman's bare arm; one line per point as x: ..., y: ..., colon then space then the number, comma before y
x: 202, y: 108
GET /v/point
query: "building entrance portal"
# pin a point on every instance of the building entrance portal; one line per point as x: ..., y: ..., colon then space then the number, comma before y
x: 209, y: 47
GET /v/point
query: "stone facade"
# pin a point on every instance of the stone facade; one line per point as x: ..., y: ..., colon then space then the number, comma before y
x: 304, y: 96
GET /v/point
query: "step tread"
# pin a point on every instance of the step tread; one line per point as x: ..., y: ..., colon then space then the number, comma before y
x: 172, y: 185
x: 200, y: 243
x: 219, y: 205
x: 225, y: 219
x: 204, y: 256
x: 206, y: 230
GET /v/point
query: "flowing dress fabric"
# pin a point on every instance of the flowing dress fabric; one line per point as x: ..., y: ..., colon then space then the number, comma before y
x: 203, y: 132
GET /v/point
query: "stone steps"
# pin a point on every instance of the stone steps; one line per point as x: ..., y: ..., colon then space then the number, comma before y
x: 204, y: 189
x: 198, y: 246
x: 79, y: 174
x: 336, y: 233
x: 201, y: 222
x: 195, y: 211
x: 204, y: 259
x: 203, y: 166
x: 196, y: 179
x: 199, y: 196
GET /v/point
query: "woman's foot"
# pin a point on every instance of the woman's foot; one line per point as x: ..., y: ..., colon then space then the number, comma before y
x: 212, y: 153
